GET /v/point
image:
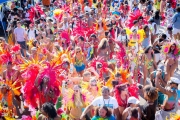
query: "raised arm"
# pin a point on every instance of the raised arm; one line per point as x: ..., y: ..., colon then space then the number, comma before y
x: 87, y: 109
x: 162, y: 89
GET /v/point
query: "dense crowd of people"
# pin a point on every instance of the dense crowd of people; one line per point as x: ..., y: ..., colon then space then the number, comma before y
x: 90, y: 60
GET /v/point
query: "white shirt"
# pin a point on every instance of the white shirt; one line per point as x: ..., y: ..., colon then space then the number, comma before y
x: 31, y: 34
x: 122, y: 38
x: 110, y: 103
x: 87, y: 8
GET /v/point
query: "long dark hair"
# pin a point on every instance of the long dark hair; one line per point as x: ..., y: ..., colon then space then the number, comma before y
x: 103, y: 44
x: 49, y: 109
x: 172, y: 51
x: 108, y: 114
x: 156, y: 15
x: 147, y: 50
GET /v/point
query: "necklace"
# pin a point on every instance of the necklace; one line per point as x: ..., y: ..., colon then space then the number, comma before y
x: 105, y: 103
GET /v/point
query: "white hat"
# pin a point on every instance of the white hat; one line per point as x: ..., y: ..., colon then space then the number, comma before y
x: 133, y: 100
x: 175, y: 80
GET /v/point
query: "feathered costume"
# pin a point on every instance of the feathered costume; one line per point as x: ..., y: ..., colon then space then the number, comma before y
x: 138, y: 38
x: 132, y: 91
x: 174, y: 117
x: 5, y: 56
x: 7, y: 102
x: 58, y: 14
x: 74, y: 105
x: 125, y: 9
x: 166, y: 48
x: 33, y: 12
x: 68, y: 98
x: 30, y: 90
x: 135, y: 16
x: 83, y: 30
x: 104, y: 65
x: 124, y: 75
x: 121, y: 57
x: 86, y: 86
x: 15, y: 48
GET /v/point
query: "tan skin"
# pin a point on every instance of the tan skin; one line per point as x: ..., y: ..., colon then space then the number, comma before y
x: 10, y: 72
x: 171, y: 64
x: 147, y: 71
x: 19, y: 58
x: 158, y: 75
x: 154, y: 47
x: 45, y: 82
x: 79, y: 56
x: 123, y: 96
x: 5, y: 91
x: 77, y: 100
x: 100, y: 30
x: 169, y: 93
x: 4, y: 45
x: 93, y: 89
x: 153, y: 36
x: 85, y: 78
x: 126, y: 111
x: 104, y: 52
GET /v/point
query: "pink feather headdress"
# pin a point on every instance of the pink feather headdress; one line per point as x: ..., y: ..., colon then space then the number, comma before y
x: 100, y: 60
x: 135, y: 16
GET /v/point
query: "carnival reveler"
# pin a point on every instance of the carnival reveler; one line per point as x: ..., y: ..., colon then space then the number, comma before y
x: 91, y: 59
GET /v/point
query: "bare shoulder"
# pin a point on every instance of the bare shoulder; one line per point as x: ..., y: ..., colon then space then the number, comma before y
x: 57, y: 118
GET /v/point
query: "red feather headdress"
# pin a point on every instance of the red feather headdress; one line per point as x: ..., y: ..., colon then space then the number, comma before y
x: 65, y: 35
x: 121, y: 57
x: 32, y: 12
x: 100, y: 60
x: 135, y: 16
x: 85, y: 32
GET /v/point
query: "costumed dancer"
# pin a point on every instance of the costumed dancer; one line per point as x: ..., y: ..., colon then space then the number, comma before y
x: 93, y: 86
x: 100, y: 66
x: 101, y: 28
x: 79, y: 60
x: 136, y: 16
x: 75, y: 101
x: 122, y: 93
x: 171, y: 62
x: 169, y: 106
x: 42, y: 86
x: 148, y: 62
x: 17, y: 57
x: 8, y: 91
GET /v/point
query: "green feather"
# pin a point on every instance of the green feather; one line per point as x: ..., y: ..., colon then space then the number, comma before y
x: 59, y: 103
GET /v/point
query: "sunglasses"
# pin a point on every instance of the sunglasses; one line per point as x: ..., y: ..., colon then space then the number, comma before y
x: 93, y: 84
x: 78, y: 51
x: 76, y: 91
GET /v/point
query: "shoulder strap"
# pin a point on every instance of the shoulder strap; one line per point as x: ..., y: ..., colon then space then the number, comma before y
x: 35, y: 32
x: 28, y: 31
